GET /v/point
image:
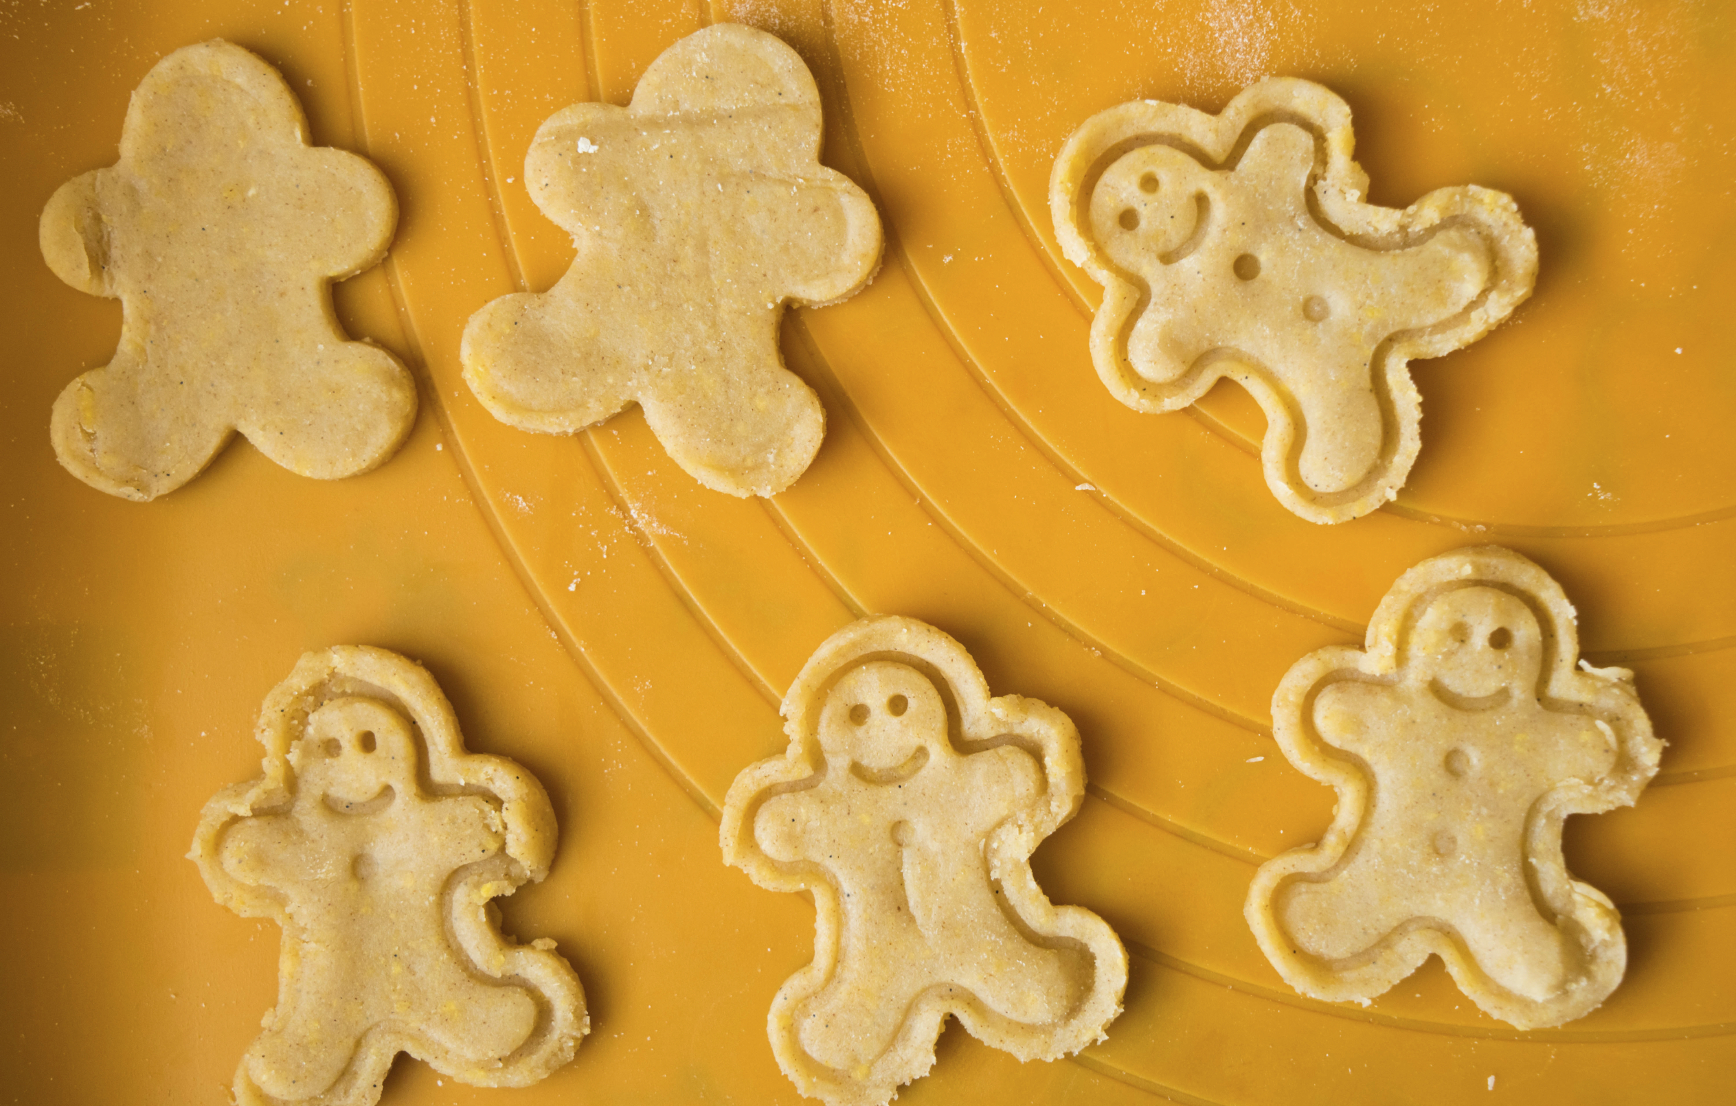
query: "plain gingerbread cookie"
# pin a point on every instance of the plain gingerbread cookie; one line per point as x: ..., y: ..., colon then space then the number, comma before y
x: 698, y: 212
x: 220, y: 230
x: 1459, y: 740
x: 1238, y: 245
x: 908, y: 804
x: 378, y: 843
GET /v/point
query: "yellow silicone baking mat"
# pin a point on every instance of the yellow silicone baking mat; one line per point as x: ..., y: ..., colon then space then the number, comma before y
x: 627, y: 635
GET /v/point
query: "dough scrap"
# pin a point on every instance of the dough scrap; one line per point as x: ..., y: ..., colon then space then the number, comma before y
x: 698, y: 211
x: 220, y: 231
x: 1237, y: 245
x: 908, y: 804
x: 378, y: 843
x: 1459, y: 740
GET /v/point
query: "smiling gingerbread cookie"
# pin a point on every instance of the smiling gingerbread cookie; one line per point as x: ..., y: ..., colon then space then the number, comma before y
x: 1238, y: 246
x: 698, y: 212
x: 1459, y: 741
x: 380, y: 861
x: 908, y: 804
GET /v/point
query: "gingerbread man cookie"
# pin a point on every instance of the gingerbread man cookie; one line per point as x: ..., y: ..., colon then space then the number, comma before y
x: 698, y: 212
x: 908, y: 805
x: 1238, y: 245
x: 1459, y: 741
x: 220, y: 230
x: 378, y: 843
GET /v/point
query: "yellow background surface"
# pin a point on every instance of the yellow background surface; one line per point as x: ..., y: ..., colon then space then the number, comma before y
x: 626, y: 634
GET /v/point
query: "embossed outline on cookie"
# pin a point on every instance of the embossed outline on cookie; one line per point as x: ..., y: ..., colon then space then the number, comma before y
x: 1333, y: 196
x: 444, y: 768
x: 1606, y: 695
x: 975, y: 722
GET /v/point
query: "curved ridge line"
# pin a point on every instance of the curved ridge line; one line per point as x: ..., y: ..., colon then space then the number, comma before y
x: 480, y: 500
x: 1090, y: 1061
x: 672, y: 578
x: 845, y: 597
x: 1116, y: 509
x: 1623, y: 657
x: 1416, y: 1025
x: 484, y: 147
x: 1693, y: 775
x: 1175, y: 829
x: 1021, y: 216
x: 588, y: 43
x: 604, y: 472
x: 1021, y: 594
x: 1680, y: 906
x: 1550, y: 533
x: 973, y: 109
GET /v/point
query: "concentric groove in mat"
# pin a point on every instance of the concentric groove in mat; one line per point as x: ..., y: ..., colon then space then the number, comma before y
x: 834, y: 585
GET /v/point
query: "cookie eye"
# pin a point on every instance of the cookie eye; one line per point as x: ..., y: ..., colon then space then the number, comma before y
x: 1460, y: 633
x: 859, y: 713
x: 1315, y: 309
x: 330, y: 747
x: 365, y: 741
x: 897, y: 705
x: 1247, y: 267
x: 1129, y: 219
x: 1148, y: 183
x: 1500, y: 638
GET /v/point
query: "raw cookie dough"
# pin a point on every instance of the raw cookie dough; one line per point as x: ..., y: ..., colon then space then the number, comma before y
x: 377, y: 843
x: 698, y: 211
x: 1459, y: 741
x: 908, y: 805
x: 1237, y: 245
x: 220, y: 230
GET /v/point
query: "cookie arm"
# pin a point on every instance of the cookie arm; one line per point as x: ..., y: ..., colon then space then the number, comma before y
x: 820, y: 235
x: 74, y: 236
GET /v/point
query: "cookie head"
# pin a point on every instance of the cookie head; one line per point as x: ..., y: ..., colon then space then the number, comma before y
x: 1476, y: 642
x: 880, y: 715
x: 1153, y: 204
x: 353, y: 750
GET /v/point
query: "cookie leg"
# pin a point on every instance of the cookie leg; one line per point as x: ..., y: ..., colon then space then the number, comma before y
x: 750, y: 431
x: 853, y: 1022
x: 306, y: 1052
x: 333, y: 411
x: 1343, y: 915
x: 1515, y: 945
x: 478, y: 1021
x: 125, y: 432
x: 1343, y: 432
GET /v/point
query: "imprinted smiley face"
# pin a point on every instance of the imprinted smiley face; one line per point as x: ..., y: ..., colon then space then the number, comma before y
x: 353, y: 751
x: 1154, y: 202
x: 1476, y: 646
x: 882, y: 717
